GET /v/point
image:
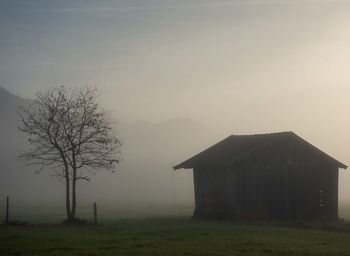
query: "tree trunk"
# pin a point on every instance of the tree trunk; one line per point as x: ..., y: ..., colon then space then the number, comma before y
x: 74, y: 197
x: 68, y: 208
x: 66, y: 173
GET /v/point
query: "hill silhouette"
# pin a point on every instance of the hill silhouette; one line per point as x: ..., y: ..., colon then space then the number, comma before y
x: 145, y: 174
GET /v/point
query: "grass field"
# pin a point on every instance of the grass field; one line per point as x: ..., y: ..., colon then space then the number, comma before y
x: 159, y: 229
x: 171, y: 236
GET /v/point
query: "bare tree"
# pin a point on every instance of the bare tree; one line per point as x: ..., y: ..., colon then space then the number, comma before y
x: 71, y: 136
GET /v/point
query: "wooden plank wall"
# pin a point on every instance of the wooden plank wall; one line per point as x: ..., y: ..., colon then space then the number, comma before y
x: 209, y: 191
x: 281, y: 181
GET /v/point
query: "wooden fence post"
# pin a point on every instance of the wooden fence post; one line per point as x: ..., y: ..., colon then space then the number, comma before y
x: 7, y: 220
x: 95, y: 213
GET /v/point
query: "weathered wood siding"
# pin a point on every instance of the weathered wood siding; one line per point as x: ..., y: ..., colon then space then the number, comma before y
x: 209, y: 191
x: 285, y: 179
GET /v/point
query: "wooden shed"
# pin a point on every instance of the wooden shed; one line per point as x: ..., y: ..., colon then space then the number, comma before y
x: 276, y: 176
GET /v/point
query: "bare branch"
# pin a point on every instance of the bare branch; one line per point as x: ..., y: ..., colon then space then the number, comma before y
x: 67, y: 131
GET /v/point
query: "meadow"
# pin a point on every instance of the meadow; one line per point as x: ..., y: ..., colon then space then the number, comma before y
x: 171, y: 236
x: 167, y: 234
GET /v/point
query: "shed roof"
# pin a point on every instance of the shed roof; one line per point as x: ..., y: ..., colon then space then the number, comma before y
x: 236, y: 147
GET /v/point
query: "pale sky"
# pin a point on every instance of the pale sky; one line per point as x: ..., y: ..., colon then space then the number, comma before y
x: 236, y: 66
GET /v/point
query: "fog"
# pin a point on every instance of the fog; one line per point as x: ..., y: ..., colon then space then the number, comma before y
x: 178, y: 76
x: 145, y: 174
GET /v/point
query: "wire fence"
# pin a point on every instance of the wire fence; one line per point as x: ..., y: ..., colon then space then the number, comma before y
x: 52, y: 212
x: 41, y: 213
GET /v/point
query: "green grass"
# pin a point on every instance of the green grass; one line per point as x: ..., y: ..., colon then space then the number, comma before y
x: 171, y: 236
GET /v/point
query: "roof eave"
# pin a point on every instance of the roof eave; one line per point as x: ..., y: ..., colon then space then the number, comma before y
x: 181, y: 167
x: 343, y: 166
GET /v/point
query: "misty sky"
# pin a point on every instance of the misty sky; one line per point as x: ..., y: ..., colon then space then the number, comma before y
x: 239, y: 66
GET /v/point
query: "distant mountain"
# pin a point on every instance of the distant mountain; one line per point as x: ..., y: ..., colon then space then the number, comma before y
x: 145, y: 174
x: 11, y: 100
x: 10, y: 103
x: 16, y: 180
x: 9, y: 107
x: 167, y: 141
x: 149, y: 152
